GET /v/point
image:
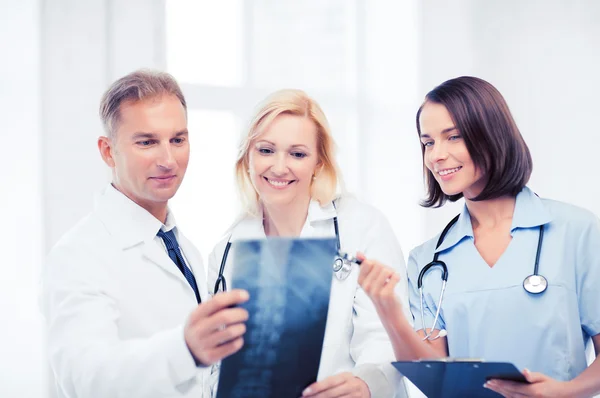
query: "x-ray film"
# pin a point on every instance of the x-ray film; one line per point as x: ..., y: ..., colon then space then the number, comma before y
x: 289, y: 282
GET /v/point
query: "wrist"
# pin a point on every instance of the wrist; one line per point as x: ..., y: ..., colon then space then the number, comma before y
x: 394, y: 322
x: 197, y: 362
x: 389, y: 309
x: 364, y: 387
x: 573, y: 389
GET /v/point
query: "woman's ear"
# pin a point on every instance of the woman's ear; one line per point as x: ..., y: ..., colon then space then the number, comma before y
x: 318, y: 170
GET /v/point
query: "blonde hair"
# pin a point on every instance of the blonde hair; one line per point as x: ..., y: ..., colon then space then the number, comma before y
x: 327, y: 179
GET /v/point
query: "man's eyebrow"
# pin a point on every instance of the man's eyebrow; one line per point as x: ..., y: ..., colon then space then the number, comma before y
x: 142, y: 135
x: 150, y: 136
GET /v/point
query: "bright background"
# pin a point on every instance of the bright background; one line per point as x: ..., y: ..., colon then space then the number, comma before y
x: 368, y: 63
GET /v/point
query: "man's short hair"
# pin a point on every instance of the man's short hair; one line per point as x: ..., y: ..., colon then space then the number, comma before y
x: 136, y: 86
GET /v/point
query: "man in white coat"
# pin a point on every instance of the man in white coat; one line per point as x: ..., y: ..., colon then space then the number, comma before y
x: 124, y: 292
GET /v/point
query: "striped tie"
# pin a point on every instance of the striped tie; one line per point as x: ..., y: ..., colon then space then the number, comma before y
x: 175, y: 254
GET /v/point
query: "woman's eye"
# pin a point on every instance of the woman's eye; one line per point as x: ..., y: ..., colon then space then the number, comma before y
x: 454, y: 137
x: 265, y: 151
x: 299, y: 155
x: 427, y: 143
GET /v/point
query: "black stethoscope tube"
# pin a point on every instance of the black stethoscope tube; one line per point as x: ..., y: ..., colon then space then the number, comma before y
x: 533, y: 284
x: 221, y: 282
x: 539, y: 288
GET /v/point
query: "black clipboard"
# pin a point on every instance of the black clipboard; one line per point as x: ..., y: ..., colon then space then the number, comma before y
x: 453, y: 378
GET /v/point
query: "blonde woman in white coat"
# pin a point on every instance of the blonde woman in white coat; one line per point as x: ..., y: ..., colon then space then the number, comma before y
x: 288, y: 178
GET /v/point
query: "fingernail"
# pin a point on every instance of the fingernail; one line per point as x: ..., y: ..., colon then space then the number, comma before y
x: 485, y: 385
x: 245, y: 295
x: 306, y: 391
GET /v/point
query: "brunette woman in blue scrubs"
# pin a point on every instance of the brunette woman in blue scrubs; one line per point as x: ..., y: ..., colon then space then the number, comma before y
x: 472, y: 148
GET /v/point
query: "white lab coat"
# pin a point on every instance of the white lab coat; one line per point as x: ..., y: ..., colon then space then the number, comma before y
x: 355, y: 339
x: 116, y: 305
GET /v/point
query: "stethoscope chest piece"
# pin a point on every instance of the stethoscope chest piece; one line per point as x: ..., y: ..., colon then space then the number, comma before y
x: 338, y: 264
x: 535, y: 284
x: 342, y: 267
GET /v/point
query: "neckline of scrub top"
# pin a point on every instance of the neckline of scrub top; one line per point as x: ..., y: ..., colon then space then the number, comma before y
x: 529, y: 212
x: 126, y: 220
x: 251, y: 227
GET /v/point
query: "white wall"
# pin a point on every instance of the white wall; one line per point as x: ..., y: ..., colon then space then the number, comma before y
x: 389, y: 158
x: 22, y: 369
x: 74, y: 75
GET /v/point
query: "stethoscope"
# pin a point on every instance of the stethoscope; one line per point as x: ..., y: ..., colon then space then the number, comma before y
x: 342, y: 265
x: 534, y: 284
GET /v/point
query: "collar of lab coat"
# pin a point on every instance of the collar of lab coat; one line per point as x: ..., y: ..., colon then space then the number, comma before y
x: 251, y: 227
x: 316, y: 212
x: 128, y: 222
x: 529, y: 212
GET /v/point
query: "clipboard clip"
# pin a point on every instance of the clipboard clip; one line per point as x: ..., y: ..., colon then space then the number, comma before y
x: 450, y: 360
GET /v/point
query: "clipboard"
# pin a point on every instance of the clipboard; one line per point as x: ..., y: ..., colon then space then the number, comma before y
x: 453, y: 378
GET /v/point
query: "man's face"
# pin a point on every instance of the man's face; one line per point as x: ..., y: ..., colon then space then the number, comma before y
x: 149, y: 152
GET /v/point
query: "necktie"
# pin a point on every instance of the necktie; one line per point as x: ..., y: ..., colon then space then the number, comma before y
x: 175, y: 254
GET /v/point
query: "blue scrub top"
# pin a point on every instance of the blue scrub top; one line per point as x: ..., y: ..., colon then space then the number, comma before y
x: 486, y: 311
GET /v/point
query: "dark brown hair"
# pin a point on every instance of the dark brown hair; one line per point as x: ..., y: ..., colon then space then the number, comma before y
x: 490, y: 133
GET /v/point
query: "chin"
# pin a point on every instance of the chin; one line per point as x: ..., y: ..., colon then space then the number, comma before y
x: 451, y: 191
x: 163, y: 196
x: 277, y: 200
